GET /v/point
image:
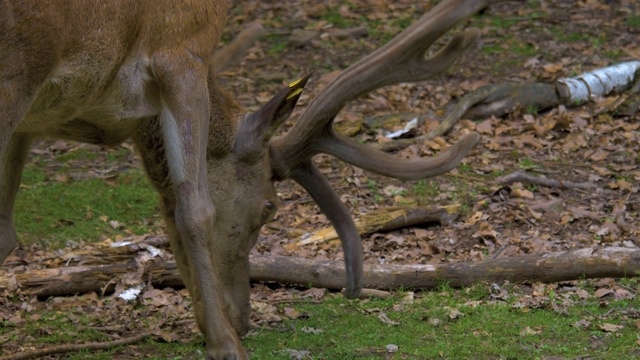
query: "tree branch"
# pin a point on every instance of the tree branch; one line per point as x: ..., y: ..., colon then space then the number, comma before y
x: 570, y: 265
x: 65, y: 348
x: 518, y: 176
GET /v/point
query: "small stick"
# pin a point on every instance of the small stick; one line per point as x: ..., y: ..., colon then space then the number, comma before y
x: 38, y: 353
x: 110, y: 328
x: 518, y: 176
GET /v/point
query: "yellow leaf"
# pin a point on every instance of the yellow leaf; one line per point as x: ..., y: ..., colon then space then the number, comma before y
x: 552, y: 68
x: 475, y: 218
x: 522, y: 193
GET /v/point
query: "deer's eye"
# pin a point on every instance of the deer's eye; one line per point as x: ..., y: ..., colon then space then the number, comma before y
x: 269, y: 205
x: 268, y: 210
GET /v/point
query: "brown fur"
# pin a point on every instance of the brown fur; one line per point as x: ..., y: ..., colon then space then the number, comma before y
x: 105, y: 71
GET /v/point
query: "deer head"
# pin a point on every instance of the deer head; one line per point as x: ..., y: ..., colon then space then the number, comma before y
x: 241, y: 184
x: 213, y: 164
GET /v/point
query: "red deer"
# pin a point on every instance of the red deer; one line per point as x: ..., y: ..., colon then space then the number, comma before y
x: 102, y: 72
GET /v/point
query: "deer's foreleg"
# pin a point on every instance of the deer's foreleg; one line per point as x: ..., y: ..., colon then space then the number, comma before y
x: 150, y: 146
x: 184, y: 121
x: 12, y: 160
x: 13, y: 154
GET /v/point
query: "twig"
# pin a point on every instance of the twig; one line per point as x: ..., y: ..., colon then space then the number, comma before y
x: 472, y: 178
x: 110, y: 328
x: 500, y: 250
x: 289, y: 301
x: 38, y: 353
x: 518, y: 176
x: 450, y: 120
x: 521, y: 218
x: 184, y: 322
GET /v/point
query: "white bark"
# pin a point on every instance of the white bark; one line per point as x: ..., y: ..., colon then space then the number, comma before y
x: 600, y: 82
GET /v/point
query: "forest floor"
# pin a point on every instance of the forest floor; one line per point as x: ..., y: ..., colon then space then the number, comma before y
x: 537, y: 41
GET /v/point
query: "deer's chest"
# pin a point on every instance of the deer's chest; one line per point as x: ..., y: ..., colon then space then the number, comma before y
x: 82, y: 103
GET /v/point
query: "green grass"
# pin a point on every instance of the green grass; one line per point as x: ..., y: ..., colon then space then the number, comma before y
x: 492, y: 49
x: 445, y: 323
x: 277, y: 48
x: 526, y: 163
x: 423, y: 190
x: 633, y: 21
x: 525, y: 49
x: 614, y: 54
x: 352, y: 329
x: 333, y: 17
x: 573, y: 37
x: 53, y: 213
x: 501, y: 23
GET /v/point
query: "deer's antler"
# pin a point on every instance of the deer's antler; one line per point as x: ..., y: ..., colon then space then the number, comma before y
x: 403, y: 59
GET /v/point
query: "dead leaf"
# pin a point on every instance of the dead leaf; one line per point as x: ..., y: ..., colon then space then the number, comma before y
x: 606, y: 327
x: 620, y: 184
x: 485, y: 127
x: 583, y: 294
x: 298, y: 354
x: 533, y: 62
x: 392, y: 348
x: 527, y: 331
x: 553, y: 68
x: 455, y: 314
x: 385, y: 319
x: 582, y: 323
x: 62, y: 177
x: 602, y: 292
x: 599, y: 155
x: 485, y: 230
x: 166, y: 336
x: 310, y: 330
x: 475, y: 218
x: 292, y: 313
x: 522, y: 193
x: 116, y: 225
x: 575, y: 141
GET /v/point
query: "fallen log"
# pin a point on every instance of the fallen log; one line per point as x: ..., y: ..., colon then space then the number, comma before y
x: 586, y: 263
x: 390, y: 218
x: 500, y: 99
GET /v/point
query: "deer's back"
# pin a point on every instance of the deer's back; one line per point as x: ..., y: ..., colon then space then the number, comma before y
x: 88, y: 66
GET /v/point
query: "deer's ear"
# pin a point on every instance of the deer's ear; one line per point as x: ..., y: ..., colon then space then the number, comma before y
x: 258, y: 127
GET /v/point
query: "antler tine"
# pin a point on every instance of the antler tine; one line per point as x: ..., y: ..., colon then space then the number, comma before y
x: 310, y: 178
x: 401, y: 60
x: 368, y: 158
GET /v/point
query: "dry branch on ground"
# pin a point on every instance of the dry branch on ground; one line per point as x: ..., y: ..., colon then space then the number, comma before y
x: 390, y: 218
x: 501, y: 99
x: 67, y: 348
x: 518, y: 176
x: 560, y: 266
